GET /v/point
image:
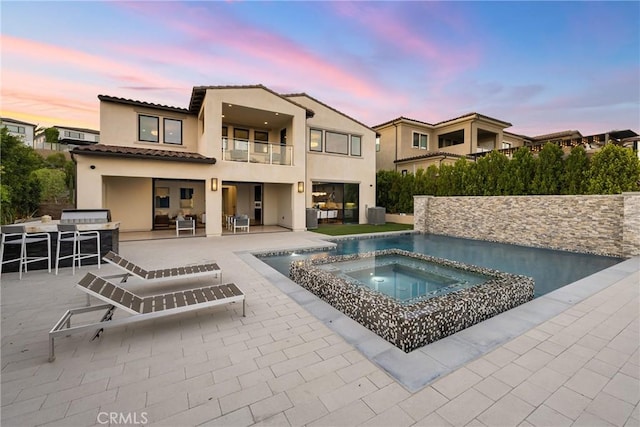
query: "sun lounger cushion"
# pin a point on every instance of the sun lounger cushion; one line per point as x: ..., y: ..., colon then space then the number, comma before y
x: 132, y: 303
x: 168, y: 273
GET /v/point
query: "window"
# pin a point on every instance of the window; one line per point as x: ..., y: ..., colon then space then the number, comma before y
x: 262, y: 141
x: 337, y: 143
x: 506, y: 145
x: 377, y: 143
x: 261, y: 136
x: 173, y: 131
x: 420, y: 140
x: 186, y: 197
x: 356, y: 145
x: 241, y: 133
x: 240, y: 139
x: 74, y: 135
x: 147, y: 128
x: 15, y: 129
x: 315, y: 140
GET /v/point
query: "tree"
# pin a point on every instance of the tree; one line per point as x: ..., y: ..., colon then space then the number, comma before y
x: 20, y: 190
x: 445, y: 186
x: 613, y: 170
x: 387, y: 190
x: 519, y: 173
x: 52, y: 184
x: 461, y: 175
x: 549, y: 170
x: 405, y: 195
x: 576, y: 172
x: 51, y: 136
x: 493, y: 166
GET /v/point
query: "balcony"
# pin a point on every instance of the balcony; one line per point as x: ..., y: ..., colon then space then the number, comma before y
x: 242, y: 150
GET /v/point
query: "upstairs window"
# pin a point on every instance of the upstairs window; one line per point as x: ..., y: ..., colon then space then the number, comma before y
x: 172, y: 131
x: 15, y: 129
x: 148, y: 128
x: 337, y: 143
x: 356, y: 145
x: 315, y: 140
x: 261, y: 136
x: 420, y: 140
x: 74, y: 135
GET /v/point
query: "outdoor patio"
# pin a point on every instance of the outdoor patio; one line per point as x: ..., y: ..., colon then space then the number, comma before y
x: 577, y: 363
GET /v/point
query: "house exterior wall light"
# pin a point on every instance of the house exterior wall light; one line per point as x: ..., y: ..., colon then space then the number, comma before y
x: 214, y: 184
x: 300, y: 186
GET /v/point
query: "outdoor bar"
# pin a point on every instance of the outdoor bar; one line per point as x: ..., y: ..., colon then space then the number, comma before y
x: 86, y: 220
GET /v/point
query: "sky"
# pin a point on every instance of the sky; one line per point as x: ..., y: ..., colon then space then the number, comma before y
x: 542, y: 66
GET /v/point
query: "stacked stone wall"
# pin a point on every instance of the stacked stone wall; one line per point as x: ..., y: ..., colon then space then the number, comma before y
x: 598, y: 224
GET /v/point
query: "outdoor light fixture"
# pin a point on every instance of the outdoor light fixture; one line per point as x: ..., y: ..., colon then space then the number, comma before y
x: 214, y: 184
x: 300, y: 187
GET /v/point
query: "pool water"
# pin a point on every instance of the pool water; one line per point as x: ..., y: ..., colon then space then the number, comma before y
x: 549, y: 268
x: 403, y: 278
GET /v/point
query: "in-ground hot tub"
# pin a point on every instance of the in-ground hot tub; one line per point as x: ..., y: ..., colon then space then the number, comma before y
x: 411, y: 299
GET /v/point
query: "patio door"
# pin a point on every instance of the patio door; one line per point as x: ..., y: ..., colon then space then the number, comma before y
x: 257, y: 204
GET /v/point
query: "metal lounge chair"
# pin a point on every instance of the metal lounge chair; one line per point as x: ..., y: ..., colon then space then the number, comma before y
x: 141, y: 308
x: 186, y: 272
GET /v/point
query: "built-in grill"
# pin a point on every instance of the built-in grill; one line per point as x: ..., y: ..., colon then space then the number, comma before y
x: 85, y: 216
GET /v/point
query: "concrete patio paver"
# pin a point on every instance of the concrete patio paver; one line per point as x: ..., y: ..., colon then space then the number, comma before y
x: 293, y: 361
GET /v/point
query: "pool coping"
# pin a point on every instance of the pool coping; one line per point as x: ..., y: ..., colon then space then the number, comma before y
x: 422, y: 366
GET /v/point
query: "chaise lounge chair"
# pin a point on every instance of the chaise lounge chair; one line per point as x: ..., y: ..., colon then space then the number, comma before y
x: 186, y: 272
x: 141, y: 308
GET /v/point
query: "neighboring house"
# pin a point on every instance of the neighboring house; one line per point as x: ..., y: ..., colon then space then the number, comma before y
x: 235, y: 150
x: 406, y: 145
x: 20, y: 129
x: 68, y: 138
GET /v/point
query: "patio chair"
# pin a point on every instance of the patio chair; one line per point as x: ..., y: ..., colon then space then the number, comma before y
x: 140, y: 308
x: 241, y: 222
x: 185, y: 225
x: 186, y: 272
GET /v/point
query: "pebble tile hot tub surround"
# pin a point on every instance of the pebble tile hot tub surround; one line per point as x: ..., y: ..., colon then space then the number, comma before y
x: 410, y: 326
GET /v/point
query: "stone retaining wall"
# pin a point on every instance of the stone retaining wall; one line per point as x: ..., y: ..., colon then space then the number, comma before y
x: 597, y: 224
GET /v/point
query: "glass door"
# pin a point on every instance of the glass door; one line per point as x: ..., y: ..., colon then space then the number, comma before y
x: 257, y: 204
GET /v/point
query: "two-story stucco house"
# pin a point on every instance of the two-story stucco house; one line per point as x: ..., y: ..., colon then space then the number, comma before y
x: 234, y: 150
x: 68, y: 138
x: 408, y: 145
x: 23, y: 130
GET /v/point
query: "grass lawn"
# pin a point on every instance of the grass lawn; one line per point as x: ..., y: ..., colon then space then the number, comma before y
x: 344, y: 229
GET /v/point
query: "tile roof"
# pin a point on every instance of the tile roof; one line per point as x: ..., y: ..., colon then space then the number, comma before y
x: 468, y: 115
x: 561, y: 134
x: 433, y: 154
x: 142, y: 153
x: 401, y: 119
x: 107, y: 98
x: 478, y: 116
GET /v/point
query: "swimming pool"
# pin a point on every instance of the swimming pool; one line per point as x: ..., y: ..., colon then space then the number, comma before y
x: 550, y: 269
x: 404, y: 278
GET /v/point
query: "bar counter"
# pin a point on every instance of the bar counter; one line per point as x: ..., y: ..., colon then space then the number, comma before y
x: 109, y: 241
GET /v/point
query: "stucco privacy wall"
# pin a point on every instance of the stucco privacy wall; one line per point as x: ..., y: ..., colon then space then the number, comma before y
x: 598, y: 224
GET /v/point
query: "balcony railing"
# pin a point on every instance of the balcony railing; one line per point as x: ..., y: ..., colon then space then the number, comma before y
x: 242, y: 150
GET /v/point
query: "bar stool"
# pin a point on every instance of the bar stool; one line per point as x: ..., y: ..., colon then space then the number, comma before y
x: 70, y: 233
x: 15, y: 235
